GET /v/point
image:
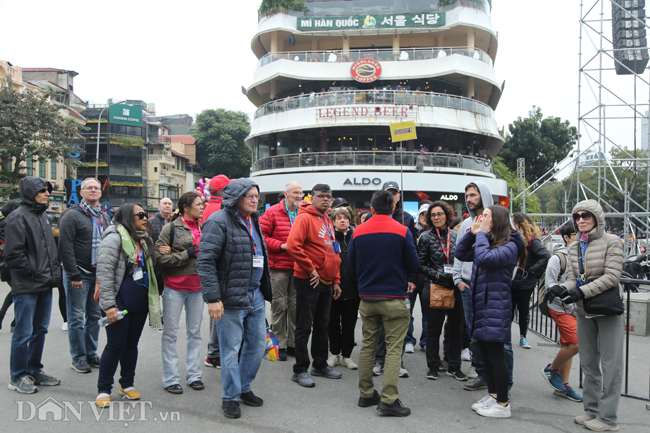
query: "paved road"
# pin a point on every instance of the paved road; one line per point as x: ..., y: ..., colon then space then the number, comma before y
x: 440, y: 405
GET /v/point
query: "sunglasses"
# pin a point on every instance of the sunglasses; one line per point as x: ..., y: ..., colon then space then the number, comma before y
x: 586, y: 216
x: 141, y: 215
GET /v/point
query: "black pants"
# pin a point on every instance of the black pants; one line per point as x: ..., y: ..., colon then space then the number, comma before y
x: 343, y: 319
x: 496, y: 369
x: 521, y: 302
x: 312, y: 311
x: 453, y: 332
x: 121, y: 348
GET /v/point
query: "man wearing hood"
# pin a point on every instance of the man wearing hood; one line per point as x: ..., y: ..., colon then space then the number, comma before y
x: 32, y: 258
x: 235, y: 280
x: 315, y: 251
x: 477, y: 198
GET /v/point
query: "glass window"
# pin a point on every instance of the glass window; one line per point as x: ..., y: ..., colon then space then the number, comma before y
x: 30, y: 164
x: 41, y: 169
x: 53, y: 169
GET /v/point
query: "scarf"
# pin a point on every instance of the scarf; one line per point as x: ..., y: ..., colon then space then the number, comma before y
x: 95, y: 214
x: 130, y: 255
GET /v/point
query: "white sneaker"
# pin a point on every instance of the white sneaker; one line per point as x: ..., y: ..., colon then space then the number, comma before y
x: 466, y: 355
x: 471, y: 373
x: 333, y: 361
x: 350, y: 364
x: 64, y: 327
x: 377, y: 369
x: 403, y: 372
x: 486, y: 401
x: 409, y: 348
x: 495, y: 411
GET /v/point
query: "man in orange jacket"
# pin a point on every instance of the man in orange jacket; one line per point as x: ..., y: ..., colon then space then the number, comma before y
x: 313, y: 247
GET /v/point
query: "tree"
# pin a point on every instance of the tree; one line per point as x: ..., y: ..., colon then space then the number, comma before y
x: 220, y: 147
x: 542, y: 142
x: 504, y: 173
x: 31, y: 126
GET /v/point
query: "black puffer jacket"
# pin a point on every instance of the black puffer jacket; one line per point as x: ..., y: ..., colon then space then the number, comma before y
x: 225, y: 258
x: 537, y: 257
x: 349, y: 284
x: 432, y: 257
x: 30, y: 250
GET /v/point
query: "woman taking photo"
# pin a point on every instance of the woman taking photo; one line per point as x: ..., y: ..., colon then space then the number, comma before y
x: 596, y: 261
x: 495, y: 250
x: 182, y: 290
x: 528, y: 273
x: 436, y: 250
x: 126, y: 281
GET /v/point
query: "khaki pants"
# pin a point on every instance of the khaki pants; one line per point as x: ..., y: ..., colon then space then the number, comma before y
x: 283, y: 307
x: 395, y: 316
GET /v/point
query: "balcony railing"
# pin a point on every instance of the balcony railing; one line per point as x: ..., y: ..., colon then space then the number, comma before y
x: 359, y: 97
x: 162, y: 158
x: 381, y: 55
x: 373, y: 158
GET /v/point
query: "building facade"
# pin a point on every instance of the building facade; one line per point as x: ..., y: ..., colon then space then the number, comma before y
x: 330, y: 81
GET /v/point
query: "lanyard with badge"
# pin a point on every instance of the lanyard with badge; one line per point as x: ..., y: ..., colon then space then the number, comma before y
x: 447, y: 267
x: 139, y: 264
x: 258, y: 257
x: 327, y: 226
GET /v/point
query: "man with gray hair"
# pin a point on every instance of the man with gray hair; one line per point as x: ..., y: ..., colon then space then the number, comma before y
x: 165, y: 208
x: 276, y: 224
x: 80, y: 232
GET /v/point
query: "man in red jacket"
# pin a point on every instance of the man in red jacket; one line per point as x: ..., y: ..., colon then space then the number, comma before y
x: 217, y: 184
x: 276, y: 224
x: 314, y: 249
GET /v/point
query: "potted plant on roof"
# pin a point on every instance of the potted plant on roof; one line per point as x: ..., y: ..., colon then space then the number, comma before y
x: 272, y: 7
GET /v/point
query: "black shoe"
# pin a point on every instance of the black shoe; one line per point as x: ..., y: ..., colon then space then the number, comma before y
x: 432, y: 374
x: 291, y: 351
x: 175, y: 389
x: 231, y: 409
x: 395, y: 409
x: 251, y: 399
x: 282, y: 355
x: 197, y: 385
x: 370, y: 401
x: 455, y: 372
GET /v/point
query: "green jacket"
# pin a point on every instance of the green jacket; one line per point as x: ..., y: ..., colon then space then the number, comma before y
x: 178, y: 262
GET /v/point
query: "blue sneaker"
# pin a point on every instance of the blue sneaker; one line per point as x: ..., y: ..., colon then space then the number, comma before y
x: 524, y: 343
x: 569, y: 393
x: 553, y: 379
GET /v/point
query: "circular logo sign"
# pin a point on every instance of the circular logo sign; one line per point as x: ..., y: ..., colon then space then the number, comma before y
x: 365, y: 70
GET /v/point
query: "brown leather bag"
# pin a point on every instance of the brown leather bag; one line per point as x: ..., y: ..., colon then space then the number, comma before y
x: 442, y: 298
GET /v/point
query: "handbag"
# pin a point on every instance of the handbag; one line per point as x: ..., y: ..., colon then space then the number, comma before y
x: 607, y: 303
x: 442, y: 298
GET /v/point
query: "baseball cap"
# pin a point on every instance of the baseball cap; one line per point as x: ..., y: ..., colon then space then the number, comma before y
x: 338, y: 202
x: 390, y: 185
x: 219, y: 182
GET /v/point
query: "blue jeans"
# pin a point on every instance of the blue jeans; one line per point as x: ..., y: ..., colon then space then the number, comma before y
x: 477, y: 358
x: 236, y: 328
x: 32, y: 312
x: 173, y: 302
x: 83, y: 315
x: 409, y: 335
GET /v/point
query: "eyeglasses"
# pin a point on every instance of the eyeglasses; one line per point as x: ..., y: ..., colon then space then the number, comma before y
x: 141, y: 215
x: 42, y: 191
x: 586, y: 216
x: 297, y: 193
x: 92, y: 188
x: 437, y: 215
x: 252, y: 197
x: 324, y: 196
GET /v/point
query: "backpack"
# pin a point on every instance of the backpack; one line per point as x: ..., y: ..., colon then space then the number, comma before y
x: 542, y: 302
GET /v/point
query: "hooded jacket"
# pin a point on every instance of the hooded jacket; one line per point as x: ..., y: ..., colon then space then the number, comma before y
x: 349, y: 283
x: 463, y: 270
x: 536, y: 260
x: 310, y: 245
x: 216, y: 203
x: 490, y: 306
x: 276, y: 226
x: 225, y: 259
x: 30, y: 250
x: 603, y: 259
x: 554, y: 276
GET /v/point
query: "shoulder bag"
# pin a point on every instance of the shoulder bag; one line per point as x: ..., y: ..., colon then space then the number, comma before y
x: 442, y: 298
x: 607, y: 303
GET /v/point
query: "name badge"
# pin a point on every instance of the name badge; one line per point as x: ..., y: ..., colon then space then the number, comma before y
x: 258, y: 261
x: 336, y: 246
x: 448, y: 269
x: 137, y: 274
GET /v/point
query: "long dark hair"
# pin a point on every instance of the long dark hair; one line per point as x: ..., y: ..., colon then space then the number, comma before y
x: 186, y: 200
x: 502, y: 229
x: 446, y: 208
x: 124, y: 216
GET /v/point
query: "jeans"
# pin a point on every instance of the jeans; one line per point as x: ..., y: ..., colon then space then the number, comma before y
x: 173, y: 303
x: 122, y: 339
x: 83, y: 315
x: 245, y: 330
x: 32, y: 311
x: 312, y: 310
x: 409, y: 335
x: 213, y: 344
x: 283, y: 307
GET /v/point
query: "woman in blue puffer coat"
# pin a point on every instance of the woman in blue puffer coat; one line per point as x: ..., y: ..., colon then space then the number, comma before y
x: 495, y: 248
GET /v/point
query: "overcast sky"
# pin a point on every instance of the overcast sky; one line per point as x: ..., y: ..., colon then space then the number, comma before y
x: 186, y: 56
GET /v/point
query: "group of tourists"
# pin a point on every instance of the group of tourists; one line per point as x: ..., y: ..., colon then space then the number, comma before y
x: 321, y: 269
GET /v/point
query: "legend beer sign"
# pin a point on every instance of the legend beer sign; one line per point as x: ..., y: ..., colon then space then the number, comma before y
x: 365, y: 111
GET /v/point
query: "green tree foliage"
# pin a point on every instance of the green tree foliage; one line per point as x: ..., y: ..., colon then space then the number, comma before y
x: 31, y: 126
x: 272, y: 7
x: 504, y: 173
x: 542, y: 142
x: 220, y: 148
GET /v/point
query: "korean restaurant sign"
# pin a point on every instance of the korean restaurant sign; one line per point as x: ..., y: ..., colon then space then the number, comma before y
x: 436, y: 19
x: 365, y: 111
x: 125, y: 115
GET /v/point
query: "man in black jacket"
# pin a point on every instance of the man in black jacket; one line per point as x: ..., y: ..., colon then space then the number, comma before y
x: 235, y: 280
x: 80, y: 233
x: 34, y: 264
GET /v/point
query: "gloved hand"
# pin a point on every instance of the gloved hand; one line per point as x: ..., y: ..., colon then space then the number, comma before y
x: 574, y: 296
x: 554, y: 292
x: 191, y: 252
